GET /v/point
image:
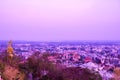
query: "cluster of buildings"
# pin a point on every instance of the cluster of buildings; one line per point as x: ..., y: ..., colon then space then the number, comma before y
x: 103, y: 58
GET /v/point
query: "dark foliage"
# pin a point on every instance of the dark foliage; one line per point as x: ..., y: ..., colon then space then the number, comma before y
x: 37, y: 64
x: 77, y: 73
x: 38, y: 67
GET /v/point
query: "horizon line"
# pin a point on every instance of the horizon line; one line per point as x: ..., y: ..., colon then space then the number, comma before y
x: 64, y: 40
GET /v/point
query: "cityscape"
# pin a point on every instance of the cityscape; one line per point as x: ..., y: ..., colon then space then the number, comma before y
x: 59, y: 39
x: 103, y: 57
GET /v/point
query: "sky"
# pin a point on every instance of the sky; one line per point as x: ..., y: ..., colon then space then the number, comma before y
x: 59, y: 20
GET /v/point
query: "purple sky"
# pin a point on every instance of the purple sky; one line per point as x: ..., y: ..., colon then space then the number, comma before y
x: 55, y: 20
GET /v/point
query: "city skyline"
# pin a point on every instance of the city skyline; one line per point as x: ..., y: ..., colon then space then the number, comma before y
x: 62, y: 20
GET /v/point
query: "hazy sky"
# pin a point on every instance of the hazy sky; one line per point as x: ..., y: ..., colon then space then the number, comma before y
x: 47, y: 20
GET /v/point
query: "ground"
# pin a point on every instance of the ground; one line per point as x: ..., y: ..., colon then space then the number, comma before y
x: 12, y: 73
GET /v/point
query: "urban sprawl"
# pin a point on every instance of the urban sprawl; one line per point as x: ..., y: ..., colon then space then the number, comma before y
x: 102, y: 57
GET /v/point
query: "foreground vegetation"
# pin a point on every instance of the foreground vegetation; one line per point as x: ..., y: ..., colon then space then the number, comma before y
x: 38, y: 67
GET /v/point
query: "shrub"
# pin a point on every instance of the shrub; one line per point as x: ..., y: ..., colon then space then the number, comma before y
x: 37, y: 64
x: 2, y: 66
x: 77, y: 73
